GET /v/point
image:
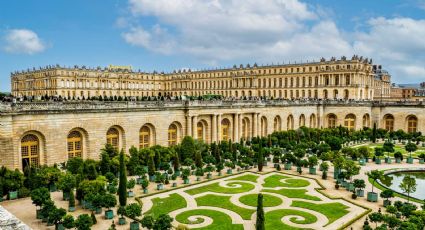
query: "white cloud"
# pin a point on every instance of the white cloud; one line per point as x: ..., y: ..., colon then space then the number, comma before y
x: 23, y: 41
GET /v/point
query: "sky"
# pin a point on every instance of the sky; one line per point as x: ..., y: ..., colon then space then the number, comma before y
x: 165, y: 35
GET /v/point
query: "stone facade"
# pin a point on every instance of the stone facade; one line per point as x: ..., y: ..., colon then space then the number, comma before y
x: 47, y: 125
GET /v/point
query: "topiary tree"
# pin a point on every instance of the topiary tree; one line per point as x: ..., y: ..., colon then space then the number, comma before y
x: 411, y: 147
x: 387, y: 194
x: 68, y: 221
x: 260, y: 222
x: 163, y: 222
x: 122, y: 188
x: 325, y: 168
x: 131, y: 183
x: 56, y: 215
x: 375, y: 175
x: 84, y: 222
x: 133, y: 211
x: 260, y: 160
x: 67, y: 182
x: 71, y: 202
x: 148, y: 222
x: 109, y: 201
x: 39, y: 196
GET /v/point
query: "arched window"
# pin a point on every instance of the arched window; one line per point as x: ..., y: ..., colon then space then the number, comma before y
x: 290, y: 122
x: 245, y: 128
x: 30, y: 151
x: 145, y: 137
x: 263, y: 126
x: 200, y: 131
x: 412, y: 124
x: 350, y: 121
x: 75, y: 144
x: 172, y: 135
x: 112, y: 137
x: 225, y: 126
x: 366, y: 120
x: 277, y: 124
x: 302, y: 120
x: 325, y: 94
x: 389, y: 122
x: 331, y: 121
x: 312, y: 121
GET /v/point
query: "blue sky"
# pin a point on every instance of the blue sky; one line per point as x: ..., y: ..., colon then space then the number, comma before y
x: 171, y: 34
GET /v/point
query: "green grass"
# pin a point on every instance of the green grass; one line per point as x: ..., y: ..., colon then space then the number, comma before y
x: 224, y: 202
x: 293, y: 193
x: 220, y: 220
x: 166, y: 205
x: 274, y: 181
x: 273, y: 219
x: 215, y: 187
x: 397, y: 148
x: 268, y: 200
x: 332, y: 211
x: 382, y: 188
x: 247, y: 177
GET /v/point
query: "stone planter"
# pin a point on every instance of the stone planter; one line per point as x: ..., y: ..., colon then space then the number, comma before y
x: 398, y: 160
x: 378, y: 161
x: 109, y: 214
x: 299, y: 169
x: 388, y: 160
x: 421, y: 161
x: 360, y: 193
x: 98, y: 210
x: 410, y: 160
x: 336, y: 172
x: 60, y: 227
x: 71, y: 209
x: 13, y: 195
x: 177, y: 173
x: 287, y: 166
x: 209, y: 176
x: 186, y: 181
x: 139, y: 180
x: 312, y: 170
x: 350, y: 187
x: 174, y: 184
x: 372, y: 196
x: 134, y: 226
x: 362, y: 162
x: 387, y: 203
x: 121, y: 221
x: 130, y: 194
x: 145, y: 191
x: 160, y: 186
x: 152, y: 178
x: 229, y: 171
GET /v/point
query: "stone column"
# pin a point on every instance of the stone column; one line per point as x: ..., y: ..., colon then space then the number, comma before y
x: 195, y: 127
x: 189, y: 125
x: 219, y: 128
x: 213, y: 128
x: 236, y: 127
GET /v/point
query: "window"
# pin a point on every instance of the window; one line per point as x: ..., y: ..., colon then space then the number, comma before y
x: 245, y: 128
x: 277, y: 124
x: 30, y: 151
x: 263, y: 126
x: 412, y: 124
x: 144, y: 137
x: 225, y: 125
x: 172, y: 135
x: 302, y: 120
x: 290, y: 122
x: 200, y: 131
x: 331, y: 121
x: 313, y: 121
x: 366, y: 120
x: 389, y: 122
x: 349, y: 121
x: 112, y: 137
x: 75, y: 144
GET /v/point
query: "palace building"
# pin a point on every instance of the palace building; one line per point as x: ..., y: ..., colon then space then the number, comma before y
x: 48, y: 132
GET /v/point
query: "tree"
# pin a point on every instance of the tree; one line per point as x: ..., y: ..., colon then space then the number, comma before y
x: 198, y: 159
x: 325, y: 168
x: 68, y: 221
x: 376, y: 217
x: 71, y: 202
x: 387, y: 194
x: 187, y: 148
x: 67, y: 182
x: 260, y: 160
x: 40, y: 196
x: 133, y: 210
x: 375, y: 175
x: 83, y: 222
x: 109, y: 201
x: 411, y: 147
x: 56, y: 215
x: 122, y: 188
x: 408, y: 185
x: 148, y: 222
x: 374, y: 133
x: 359, y: 183
x: 351, y: 169
x: 260, y: 223
x: 131, y: 183
x: 163, y: 222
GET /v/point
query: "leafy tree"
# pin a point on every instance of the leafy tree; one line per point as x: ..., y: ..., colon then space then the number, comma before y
x: 56, y: 215
x: 359, y: 183
x: 375, y: 175
x: 148, y: 222
x: 388, y: 147
x: 68, y: 221
x: 312, y: 161
x: 364, y: 151
x: 109, y: 201
x: 410, y: 147
x: 187, y: 148
x: 122, y: 211
x: 376, y: 217
x: 351, y: 169
x: 163, y: 222
x: 325, y: 168
x: 122, y: 188
x: 133, y: 210
x: 83, y: 222
x: 387, y: 194
x: 47, y: 207
x: 260, y: 222
x: 67, y: 182
x: 71, y: 202
x: 176, y: 162
x: 131, y: 183
x: 74, y: 165
x: 408, y: 185
x: 374, y: 133
x: 198, y: 159
x: 40, y: 196
x: 334, y: 142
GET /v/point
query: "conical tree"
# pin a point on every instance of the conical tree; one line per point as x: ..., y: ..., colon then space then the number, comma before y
x: 122, y: 189
x: 260, y: 160
x: 259, y: 225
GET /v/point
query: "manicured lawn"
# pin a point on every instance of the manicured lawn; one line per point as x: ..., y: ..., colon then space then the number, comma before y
x: 220, y: 220
x: 293, y: 193
x: 166, y: 205
x: 268, y: 200
x: 397, y: 148
x: 332, y: 211
x: 273, y: 219
x: 274, y: 181
x: 215, y: 187
x: 224, y: 202
x: 247, y: 177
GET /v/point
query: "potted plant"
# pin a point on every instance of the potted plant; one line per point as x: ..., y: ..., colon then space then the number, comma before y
x: 39, y: 196
x: 337, y: 185
x: 388, y: 147
x: 159, y: 180
x: 398, y: 157
x: 130, y: 185
x: 410, y: 147
x: 229, y: 166
x: 209, y: 168
x: 359, y: 184
x: 421, y: 158
x: 66, y: 182
x: 133, y: 211
x: 122, y: 212
x: 312, y: 162
x: 378, y: 153
x: 219, y: 167
x: 109, y: 201
x: 84, y: 221
x: 199, y: 173
x: 13, y: 181
x: 47, y: 207
x: 325, y: 167
x: 55, y: 217
x: 387, y: 194
x: 374, y: 175
x: 351, y: 169
x: 71, y: 201
x: 185, y: 175
x: 97, y: 203
x: 288, y: 159
x: 68, y: 222
x: 140, y: 172
x: 145, y: 184
x: 338, y: 162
